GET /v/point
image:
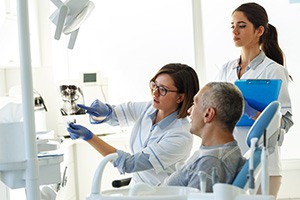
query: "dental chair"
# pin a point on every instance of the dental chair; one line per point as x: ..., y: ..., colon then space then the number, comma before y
x: 262, y: 140
x: 140, y: 191
x: 266, y: 130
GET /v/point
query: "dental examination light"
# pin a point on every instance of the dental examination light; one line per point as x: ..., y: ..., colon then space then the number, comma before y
x: 69, y: 16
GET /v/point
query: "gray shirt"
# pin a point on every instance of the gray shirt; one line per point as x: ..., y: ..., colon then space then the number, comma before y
x: 227, y: 159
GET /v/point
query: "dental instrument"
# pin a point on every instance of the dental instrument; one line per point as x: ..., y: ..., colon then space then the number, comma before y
x: 215, y: 177
x: 265, y: 175
x: 202, y: 176
x: 251, y: 166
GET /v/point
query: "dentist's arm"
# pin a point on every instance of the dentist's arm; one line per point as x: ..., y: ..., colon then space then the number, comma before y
x: 77, y: 131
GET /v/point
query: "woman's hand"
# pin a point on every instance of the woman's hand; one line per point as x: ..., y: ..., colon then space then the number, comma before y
x: 77, y: 131
x: 250, y: 112
x: 98, y: 111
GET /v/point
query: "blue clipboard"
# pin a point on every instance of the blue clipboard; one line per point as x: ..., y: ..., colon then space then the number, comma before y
x: 258, y: 93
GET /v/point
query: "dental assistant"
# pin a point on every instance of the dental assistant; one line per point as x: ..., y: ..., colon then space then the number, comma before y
x: 160, y: 136
x: 261, y: 58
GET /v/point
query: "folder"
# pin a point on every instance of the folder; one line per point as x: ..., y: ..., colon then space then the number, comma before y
x: 258, y: 93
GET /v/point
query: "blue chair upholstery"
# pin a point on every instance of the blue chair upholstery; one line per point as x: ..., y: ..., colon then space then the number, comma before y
x: 267, y: 118
x: 241, y: 179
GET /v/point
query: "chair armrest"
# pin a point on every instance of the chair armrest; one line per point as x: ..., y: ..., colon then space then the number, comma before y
x: 121, y: 182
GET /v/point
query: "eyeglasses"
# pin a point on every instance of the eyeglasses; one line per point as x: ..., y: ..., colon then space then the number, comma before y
x: 161, y: 89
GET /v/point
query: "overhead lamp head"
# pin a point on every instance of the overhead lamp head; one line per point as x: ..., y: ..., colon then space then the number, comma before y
x: 69, y: 16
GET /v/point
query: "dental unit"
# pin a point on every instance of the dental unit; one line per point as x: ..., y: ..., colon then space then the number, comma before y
x: 261, y: 138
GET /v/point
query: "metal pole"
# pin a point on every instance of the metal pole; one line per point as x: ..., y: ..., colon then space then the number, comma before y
x: 198, y: 41
x: 32, y: 168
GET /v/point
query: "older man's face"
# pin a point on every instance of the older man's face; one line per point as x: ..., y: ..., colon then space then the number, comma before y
x: 197, y: 114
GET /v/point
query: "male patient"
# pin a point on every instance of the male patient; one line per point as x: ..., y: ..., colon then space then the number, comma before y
x: 217, y: 108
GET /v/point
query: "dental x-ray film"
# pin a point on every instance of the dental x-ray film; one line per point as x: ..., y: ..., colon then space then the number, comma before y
x: 71, y: 95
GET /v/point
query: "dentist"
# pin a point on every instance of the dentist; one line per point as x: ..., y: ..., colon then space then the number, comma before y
x: 160, y: 135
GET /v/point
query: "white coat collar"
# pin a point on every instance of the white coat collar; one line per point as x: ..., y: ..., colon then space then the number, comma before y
x: 256, y: 66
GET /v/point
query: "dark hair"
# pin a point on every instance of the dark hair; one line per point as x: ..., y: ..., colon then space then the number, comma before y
x: 258, y: 16
x: 227, y: 100
x: 186, y: 81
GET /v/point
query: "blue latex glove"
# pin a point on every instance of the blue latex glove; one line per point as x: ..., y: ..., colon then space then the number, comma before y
x: 249, y: 111
x: 77, y: 131
x: 97, y: 109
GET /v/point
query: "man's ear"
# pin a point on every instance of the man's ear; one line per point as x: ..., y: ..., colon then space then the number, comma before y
x: 209, y: 115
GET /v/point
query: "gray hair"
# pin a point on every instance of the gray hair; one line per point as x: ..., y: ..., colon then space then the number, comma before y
x: 227, y: 100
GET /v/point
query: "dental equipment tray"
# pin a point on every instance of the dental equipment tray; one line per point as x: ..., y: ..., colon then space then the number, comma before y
x: 13, y: 161
x: 13, y: 173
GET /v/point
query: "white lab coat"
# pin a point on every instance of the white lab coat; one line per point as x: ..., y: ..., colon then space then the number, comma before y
x: 166, y: 143
x: 260, y: 67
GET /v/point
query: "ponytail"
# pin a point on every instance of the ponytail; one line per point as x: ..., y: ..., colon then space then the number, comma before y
x: 269, y: 44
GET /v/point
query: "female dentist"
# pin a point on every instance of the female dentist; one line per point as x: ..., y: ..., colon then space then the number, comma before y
x: 261, y: 58
x: 160, y: 136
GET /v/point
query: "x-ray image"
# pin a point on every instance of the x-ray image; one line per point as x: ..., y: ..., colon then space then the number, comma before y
x: 71, y: 95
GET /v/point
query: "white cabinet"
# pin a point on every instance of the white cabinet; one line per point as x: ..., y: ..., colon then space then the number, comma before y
x: 81, y: 161
x: 67, y: 189
x: 4, y: 193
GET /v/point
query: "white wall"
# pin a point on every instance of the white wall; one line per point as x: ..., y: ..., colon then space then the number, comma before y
x: 2, y: 82
x: 129, y: 41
